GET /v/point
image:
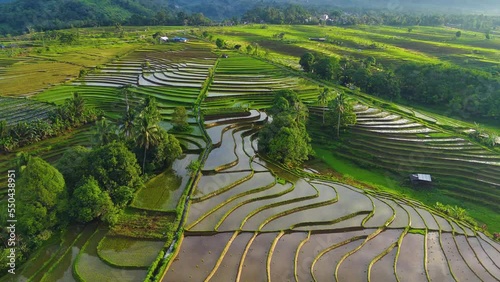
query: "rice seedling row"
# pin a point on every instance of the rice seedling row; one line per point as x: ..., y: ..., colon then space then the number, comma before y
x: 15, y: 110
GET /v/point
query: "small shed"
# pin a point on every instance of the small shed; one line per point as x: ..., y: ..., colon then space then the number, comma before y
x: 164, y: 39
x: 320, y: 39
x: 420, y: 179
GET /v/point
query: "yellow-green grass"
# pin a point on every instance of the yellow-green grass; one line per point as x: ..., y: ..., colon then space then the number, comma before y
x: 144, y: 224
x: 391, y: 44
x: 90, y: 54
x: 34, y: 75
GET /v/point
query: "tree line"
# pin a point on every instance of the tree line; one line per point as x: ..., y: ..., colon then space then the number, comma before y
x: 88, y: 184
x: 286, y: 139
x: 73, y: 113
x: 299, y: 14
x: 26, y: 16
x: 464, y: 92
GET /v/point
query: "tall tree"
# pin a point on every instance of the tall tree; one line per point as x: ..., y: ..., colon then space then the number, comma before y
x: 77, y: 105
x: 285, y: 140
x: 341, y: 112
x: 307, y: 61
x: 340, y: 108
x: 289, y: 101
x: 323, y: 99
x: 127, y: 120
x: 147, y: 131
x: 326, y: 67
x: 179, y: 119
x: 72, y: 165
x: 114, y: 167
x: 88, y: 202
x: 104, y: 133
x: 41, y: 199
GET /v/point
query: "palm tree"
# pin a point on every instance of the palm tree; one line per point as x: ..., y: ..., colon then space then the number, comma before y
x: 339, y: 106
x: 104, y: 133
x: 300, y: 111
x: 323, y: 99
x: 127, y: 120
x: 127, y: 124
x: 147, y: 134
x: 78, y: 104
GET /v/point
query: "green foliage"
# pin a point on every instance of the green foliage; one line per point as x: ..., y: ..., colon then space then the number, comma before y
x: 88, y: 202
x: 104, y: 133
x: 464, y: 92
x: 384, y: 84
x: 288, y: 101
x: 455, y: 212
x: 114, y: 166
x: 323, y: 98
x: 42, y: 199
x: 285, y: 140
x: 249, y: 49
x: 307, y: 61
x: 68, y: 38
x: 341, y: 113
x: 194, y: 167
x: 458, y: 34
x: 179, y: 119
x: 326, y: 67
x: 164, y: 152
x: 72, y: 165
x: 73, y: 113
x: 220, y: 43
x: 147, y: 132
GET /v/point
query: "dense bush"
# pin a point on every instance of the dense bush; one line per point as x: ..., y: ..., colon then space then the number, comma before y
x: 468, y: 93
x: 285, y: 139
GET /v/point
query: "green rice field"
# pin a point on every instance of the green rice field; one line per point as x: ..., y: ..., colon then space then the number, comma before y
x: 347, y: 215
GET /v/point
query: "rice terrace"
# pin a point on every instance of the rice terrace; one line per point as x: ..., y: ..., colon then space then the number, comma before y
x: 250, y: 152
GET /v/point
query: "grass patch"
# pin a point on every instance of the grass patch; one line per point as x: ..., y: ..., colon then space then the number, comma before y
x: 144, y: 224
x: 345, y: 167
x: 417, y: 231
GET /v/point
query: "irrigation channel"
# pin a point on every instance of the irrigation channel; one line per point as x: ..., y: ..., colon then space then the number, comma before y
x: 250, y: 220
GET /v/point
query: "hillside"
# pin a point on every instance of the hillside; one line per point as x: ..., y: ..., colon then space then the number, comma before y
x: 223, y: 8
x: 21, y: 15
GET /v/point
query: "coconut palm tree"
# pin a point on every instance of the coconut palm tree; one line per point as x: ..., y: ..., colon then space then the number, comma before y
x: 127, y: 120
x: 127, y: 123
x: 77, y: 105
x: 323, y: 99
x: 147, y: 134
x: 300, y: 111
x: 339, y: 106
x: 104, y: 133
